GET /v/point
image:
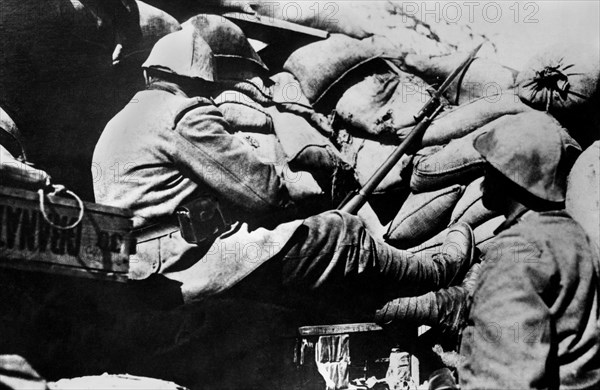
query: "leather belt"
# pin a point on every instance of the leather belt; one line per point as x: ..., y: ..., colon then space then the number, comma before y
x: 156, y: 230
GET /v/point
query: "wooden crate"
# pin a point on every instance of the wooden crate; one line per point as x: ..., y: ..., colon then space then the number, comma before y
x: 98, y: 247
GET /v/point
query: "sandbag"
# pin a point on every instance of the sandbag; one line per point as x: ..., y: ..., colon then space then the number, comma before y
x: 583, y: 192
x: 318, y: 65
x: 455, y: 163
x: 482, y: 234
x: 247, y: 109
x: 366, y: 156
x: 288, y: 96
x: 306, y: 149
x: 464, y: 119
x: 470, y: 208
x: 287, y: 89
x: 335, y: 17
x: 481, y: 78
x: 383, y: 103
x: 563, y: 80
x: 561, y: 77
x: 242, y: 113
x: 422, y: 216
x: 301, y: 185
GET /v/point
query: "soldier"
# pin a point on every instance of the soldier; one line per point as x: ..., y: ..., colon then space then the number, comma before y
x: 252, y: 102
x: 534, y: 320
x: 171, y: 150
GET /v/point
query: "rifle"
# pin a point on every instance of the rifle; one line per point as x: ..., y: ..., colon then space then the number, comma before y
x: 356, y: 199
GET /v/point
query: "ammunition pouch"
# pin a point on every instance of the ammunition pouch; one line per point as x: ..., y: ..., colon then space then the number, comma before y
x: 201, y: 220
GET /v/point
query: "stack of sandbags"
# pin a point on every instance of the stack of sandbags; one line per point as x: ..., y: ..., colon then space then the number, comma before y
x: 374, y: 103
x: 446, y: 189
x: 421, y: 224
x: 453, y: 166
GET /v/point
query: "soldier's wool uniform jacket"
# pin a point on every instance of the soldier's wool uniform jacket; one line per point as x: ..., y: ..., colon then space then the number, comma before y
x: 535, y: 317
x: 165, y: 149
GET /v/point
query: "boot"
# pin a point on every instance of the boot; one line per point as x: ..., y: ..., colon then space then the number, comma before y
x: 456, y: 255
x: 445, y: 309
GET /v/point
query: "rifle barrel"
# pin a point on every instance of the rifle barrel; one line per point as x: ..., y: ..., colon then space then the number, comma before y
x: 423, y: 118
x: 411, y: 139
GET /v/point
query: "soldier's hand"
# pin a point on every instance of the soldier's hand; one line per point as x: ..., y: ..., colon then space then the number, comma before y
x: 15, y: 173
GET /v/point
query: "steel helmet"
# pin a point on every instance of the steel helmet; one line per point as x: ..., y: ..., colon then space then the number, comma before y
x: 532, y: 150
x: 183, y: 53
x: 226, y: 40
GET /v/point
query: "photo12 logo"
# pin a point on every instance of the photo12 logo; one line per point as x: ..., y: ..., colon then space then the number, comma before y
x: 470, y: 11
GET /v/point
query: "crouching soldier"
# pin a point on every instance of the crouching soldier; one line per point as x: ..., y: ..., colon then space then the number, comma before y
x: 209, y: 213
x: 531, y: 318
x: 535, y: 319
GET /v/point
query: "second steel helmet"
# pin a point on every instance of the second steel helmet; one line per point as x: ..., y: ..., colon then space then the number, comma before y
x: 182, y: 53
x: 226, y: 40
x: 532, y: 150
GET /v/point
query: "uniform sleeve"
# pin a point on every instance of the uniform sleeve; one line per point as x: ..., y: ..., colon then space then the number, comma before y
x: 507, y: 343
x: 16, y: 173
x: 208, y: 153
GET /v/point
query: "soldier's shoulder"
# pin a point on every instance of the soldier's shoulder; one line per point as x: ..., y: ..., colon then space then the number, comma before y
x: 548, y: 229
x: 195, y: 106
